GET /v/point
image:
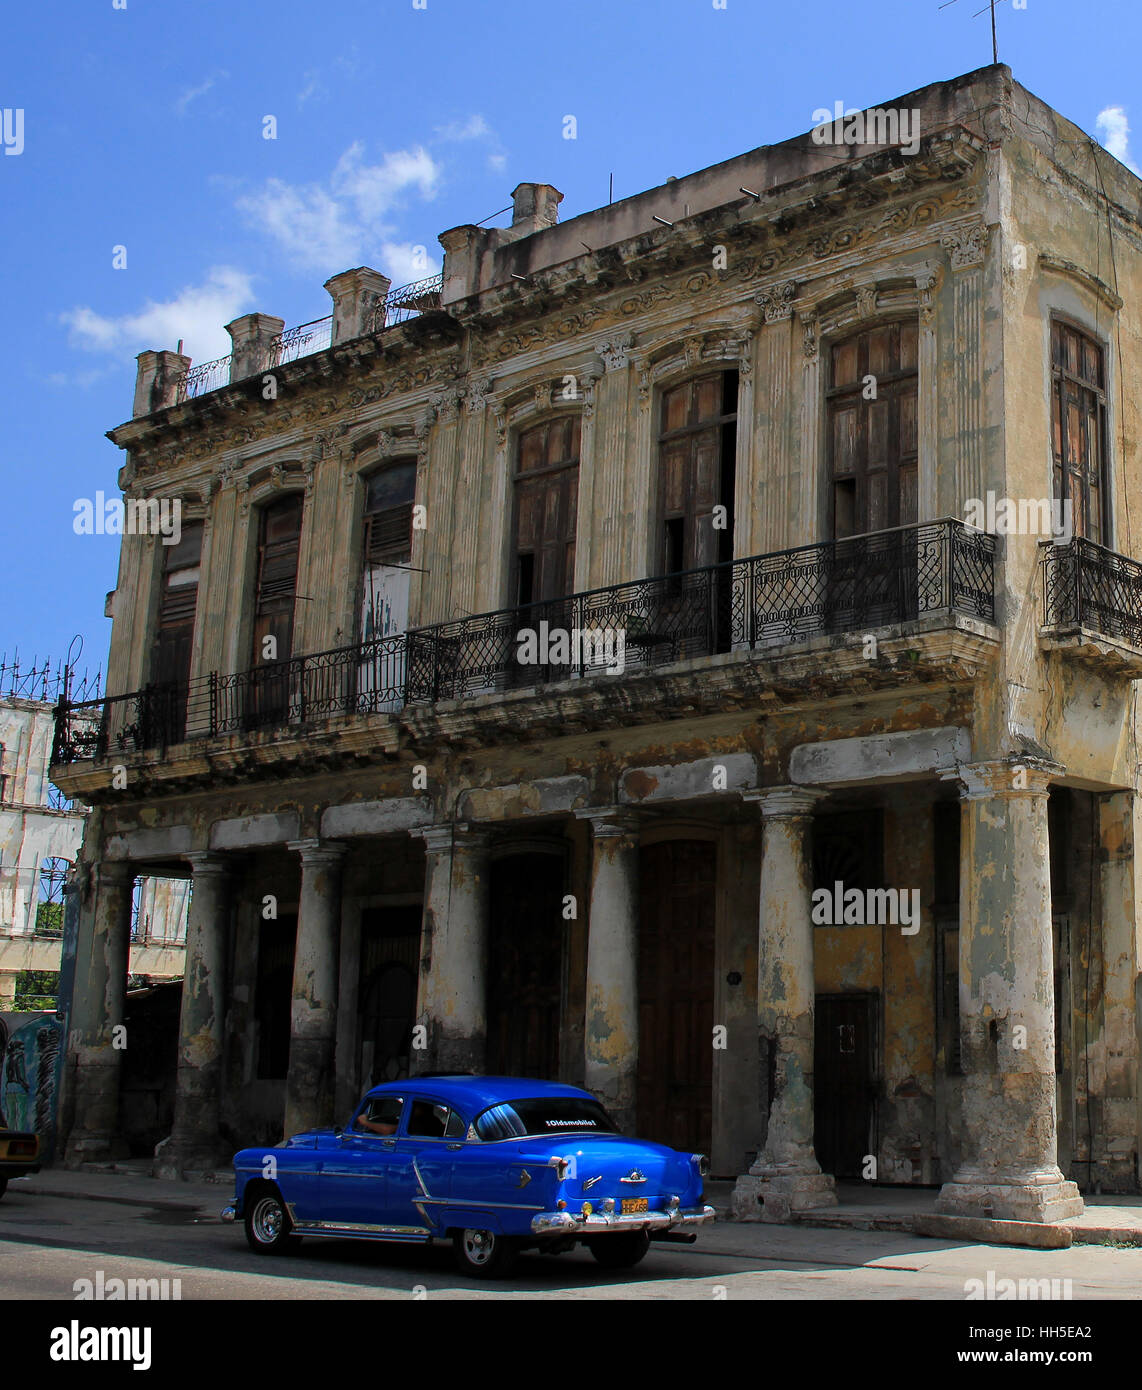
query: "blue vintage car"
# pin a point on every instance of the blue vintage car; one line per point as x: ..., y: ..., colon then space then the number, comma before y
x: 497, y: 1164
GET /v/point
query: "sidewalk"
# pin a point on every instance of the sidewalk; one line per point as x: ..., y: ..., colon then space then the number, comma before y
x: 1108, y: 1220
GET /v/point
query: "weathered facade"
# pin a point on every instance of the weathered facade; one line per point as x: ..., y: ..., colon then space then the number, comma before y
x: 731, y: 427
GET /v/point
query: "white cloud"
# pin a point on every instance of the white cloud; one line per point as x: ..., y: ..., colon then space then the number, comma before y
x: 193, y: 93
x: 1114, y: 131
x: 474, y: 128
x: 334, y: 226
x: 197, y: 314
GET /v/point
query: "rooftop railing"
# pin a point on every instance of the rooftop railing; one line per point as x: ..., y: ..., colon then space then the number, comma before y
x: 206, y: 376
x: 297, y: 342
x: 406, y: 301
x: 766, y: 602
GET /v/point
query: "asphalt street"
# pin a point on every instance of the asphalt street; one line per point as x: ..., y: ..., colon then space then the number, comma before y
x: 49, y: 1242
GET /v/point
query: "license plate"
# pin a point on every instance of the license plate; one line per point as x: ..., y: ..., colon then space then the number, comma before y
x: 635, y: 1204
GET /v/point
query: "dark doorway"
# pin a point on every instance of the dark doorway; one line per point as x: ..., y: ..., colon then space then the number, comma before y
x: 676, y: 993
x: 273, y: 997
x: 390, y: 951
x: 525, y: 965
x: 843, y: 1089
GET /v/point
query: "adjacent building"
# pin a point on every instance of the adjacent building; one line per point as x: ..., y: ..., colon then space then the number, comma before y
x: 581, y: 665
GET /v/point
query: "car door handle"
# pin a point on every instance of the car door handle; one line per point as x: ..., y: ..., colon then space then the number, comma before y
x: 455, y: 1146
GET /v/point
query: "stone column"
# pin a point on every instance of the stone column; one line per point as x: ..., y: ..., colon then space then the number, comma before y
x: 313, y: 1014
x: 611, y: 1023
x: 786, y: 1176
x: 454, y: 948
x: 95, y: 1049
x: 195, y: 1141
x: 1007, y: 1001
x: 1120, y: 835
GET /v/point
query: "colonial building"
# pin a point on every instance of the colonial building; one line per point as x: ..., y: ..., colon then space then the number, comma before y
x: 579, y: 665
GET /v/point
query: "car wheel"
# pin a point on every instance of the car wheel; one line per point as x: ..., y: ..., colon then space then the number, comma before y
x: 622, y: 1251
x: 3, y: 1186
x: 267, y: 1223
x: 484, y: 1254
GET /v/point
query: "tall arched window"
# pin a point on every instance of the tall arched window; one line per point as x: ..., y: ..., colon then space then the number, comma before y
x: 873, y: 447
x: 1078, y: 429
x: 697, y: 442
x: 546, y: 501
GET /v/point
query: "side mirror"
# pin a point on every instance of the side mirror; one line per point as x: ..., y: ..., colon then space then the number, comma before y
x: 337, y: 1129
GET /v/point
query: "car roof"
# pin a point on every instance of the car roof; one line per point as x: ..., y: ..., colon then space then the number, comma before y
x: 477, y: 1092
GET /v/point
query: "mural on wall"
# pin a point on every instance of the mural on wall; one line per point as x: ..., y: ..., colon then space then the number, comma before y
x: 30, y: 1075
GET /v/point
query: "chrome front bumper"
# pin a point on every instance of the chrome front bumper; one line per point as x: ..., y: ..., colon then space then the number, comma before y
x: 570, y: 1223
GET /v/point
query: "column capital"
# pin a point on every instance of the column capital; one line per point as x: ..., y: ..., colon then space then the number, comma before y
x: 785, y: 803
x: 611, y: 822
x: 318, y: 853
x: 1013, y: 776
x: 205, y: 863
x: 446, y: 839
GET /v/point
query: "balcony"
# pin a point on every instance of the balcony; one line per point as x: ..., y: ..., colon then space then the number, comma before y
x: 767, y: 627
x: 1092, y: 606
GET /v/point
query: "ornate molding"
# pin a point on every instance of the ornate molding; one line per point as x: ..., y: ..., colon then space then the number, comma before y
x: 776, y: 301
x: 811, y: 341
x: 966, y: 244
x: 615, y: 352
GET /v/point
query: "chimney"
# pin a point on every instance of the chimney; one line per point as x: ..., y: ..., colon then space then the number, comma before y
x: 534, y: 207
x: 156, y: 380
x: 253, y: 336
x: 355, y: 295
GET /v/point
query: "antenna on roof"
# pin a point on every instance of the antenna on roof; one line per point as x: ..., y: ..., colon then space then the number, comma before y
x: 994, y: 37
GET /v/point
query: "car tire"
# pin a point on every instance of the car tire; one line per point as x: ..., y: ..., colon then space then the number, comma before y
x: 268, y: 1227
x: 622, y: 1251
x: 3, y: 1186
x: 484, y: 1254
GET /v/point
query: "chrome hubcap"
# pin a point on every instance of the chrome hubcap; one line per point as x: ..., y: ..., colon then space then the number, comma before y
x: 267, y: 1220
x: 478, y: 1246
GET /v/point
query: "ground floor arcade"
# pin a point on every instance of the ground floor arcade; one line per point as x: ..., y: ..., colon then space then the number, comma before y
x: 925, y: 980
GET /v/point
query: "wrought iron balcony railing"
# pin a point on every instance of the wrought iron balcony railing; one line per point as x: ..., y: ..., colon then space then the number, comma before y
x: 1087, y: 586
x: 204, y: 377
x: 765, y: 602
x: 406, y: 301
x: 297, y: 342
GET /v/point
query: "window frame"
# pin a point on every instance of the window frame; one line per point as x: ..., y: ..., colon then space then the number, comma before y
x: 1058, y: 375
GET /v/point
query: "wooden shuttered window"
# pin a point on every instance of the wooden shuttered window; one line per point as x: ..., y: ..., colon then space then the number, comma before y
x: 697, y: 444
x: 388, y: 515
x: 546, y: 504
x: 279, y: 541
x: 873, y: 443
x: 1078, y: 429
x: 178, y: 604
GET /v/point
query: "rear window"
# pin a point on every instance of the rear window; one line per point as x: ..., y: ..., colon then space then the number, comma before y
x: 557, y: 1115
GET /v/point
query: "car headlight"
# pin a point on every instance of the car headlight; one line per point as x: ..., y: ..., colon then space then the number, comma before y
x: 702, y: 1163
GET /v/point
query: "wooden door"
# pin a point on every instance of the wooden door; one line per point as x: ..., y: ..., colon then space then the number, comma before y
x: 525, y: 965
x: 279, y: 541
x: 546, y: 505
x: 165, y: 710
x: 843, y: 1088
x: 678, y: 884
x: 390, y: 960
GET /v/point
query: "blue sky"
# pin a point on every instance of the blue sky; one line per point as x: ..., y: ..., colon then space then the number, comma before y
x: 143, y: 128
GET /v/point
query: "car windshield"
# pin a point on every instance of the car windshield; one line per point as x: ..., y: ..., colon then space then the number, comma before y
x: 521, y: 1119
